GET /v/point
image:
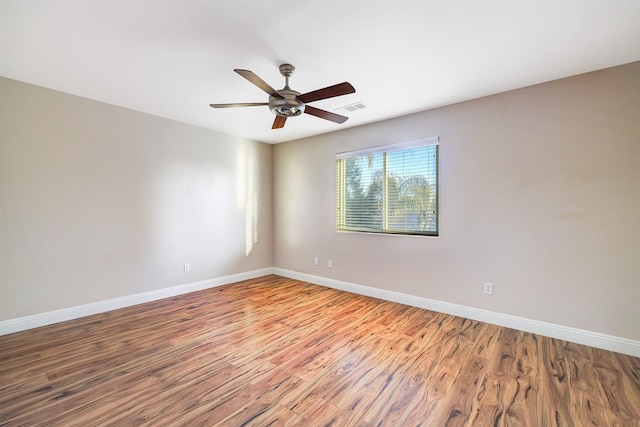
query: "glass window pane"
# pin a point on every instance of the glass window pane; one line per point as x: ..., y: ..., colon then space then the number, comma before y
x: 393, y: 191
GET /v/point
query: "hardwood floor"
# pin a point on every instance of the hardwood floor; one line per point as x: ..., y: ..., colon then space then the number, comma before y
x: 275, y: 351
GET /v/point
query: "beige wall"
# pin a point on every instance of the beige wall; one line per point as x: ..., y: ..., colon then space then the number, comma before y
x: 539, y: 194
x: 99, y: 202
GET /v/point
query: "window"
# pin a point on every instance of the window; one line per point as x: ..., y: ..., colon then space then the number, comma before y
x: 389, y: 189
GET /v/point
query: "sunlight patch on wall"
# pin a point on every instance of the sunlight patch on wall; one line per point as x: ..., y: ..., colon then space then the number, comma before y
x: 251, y: 223
x: 246, y: 194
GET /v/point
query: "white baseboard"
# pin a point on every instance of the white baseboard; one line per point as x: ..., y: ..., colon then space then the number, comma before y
x: 579, y: 336
x: 51, y: 317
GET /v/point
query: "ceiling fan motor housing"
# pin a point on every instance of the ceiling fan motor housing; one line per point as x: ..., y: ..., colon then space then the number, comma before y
x: 289, y: 105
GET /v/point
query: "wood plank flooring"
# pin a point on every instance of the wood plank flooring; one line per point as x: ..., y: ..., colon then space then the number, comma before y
x: 278, y: 352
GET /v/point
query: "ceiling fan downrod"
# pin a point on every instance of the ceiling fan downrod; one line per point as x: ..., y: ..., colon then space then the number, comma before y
x: 287, y: 71
x: 289, y: 105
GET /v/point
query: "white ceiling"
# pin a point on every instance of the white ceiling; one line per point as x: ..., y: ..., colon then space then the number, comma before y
x: 174, y: 58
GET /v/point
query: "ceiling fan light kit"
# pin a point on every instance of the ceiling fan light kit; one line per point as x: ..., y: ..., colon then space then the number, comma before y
x: 287, y: 102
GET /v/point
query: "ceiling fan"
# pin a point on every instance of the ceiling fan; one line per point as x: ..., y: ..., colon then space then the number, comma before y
x: 286, y: 102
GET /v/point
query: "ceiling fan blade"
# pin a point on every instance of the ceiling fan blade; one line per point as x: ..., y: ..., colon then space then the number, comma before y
x: 242, y: 104
x: 249, y: 75
x: 327, y: 92
x: 279, y: 122
x: 324, y: 114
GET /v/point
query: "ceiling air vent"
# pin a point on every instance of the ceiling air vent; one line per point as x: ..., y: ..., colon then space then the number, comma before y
x: 352, y: 107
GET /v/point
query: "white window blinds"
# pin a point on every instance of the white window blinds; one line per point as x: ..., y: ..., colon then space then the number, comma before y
x: 389, y: 189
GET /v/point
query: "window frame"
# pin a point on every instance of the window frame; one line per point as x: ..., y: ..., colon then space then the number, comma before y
x: 341, y: 187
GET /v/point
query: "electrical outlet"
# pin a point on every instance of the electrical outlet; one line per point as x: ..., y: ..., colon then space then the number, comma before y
x: 186, y: 268
x: 488, y: 288
x: 316, y: 261
x: 330, y: 263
